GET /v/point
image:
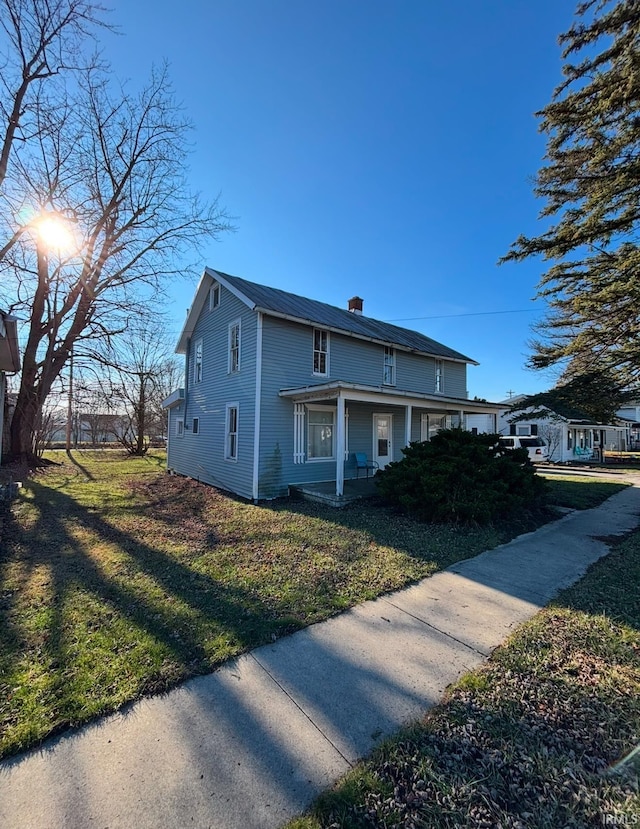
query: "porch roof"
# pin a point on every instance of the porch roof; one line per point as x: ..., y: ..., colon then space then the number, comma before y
x: 392, y: 396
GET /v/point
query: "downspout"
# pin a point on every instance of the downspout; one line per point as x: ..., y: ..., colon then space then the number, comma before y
x: 257, y: 410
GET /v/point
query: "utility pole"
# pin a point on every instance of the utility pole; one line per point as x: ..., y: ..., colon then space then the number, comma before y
x: 70, y: 402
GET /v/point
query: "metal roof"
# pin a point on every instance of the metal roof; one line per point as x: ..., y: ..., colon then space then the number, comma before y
x: 284, y: 303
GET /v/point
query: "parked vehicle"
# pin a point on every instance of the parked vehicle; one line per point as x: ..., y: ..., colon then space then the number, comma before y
x: 537, y: 448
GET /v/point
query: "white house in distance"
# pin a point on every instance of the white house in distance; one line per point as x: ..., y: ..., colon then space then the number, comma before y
x: 9, y: 361
x: 631, y: 414
x: 568, y: 439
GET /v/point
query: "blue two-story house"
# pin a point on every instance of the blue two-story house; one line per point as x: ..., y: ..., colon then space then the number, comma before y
x: 281, y: 390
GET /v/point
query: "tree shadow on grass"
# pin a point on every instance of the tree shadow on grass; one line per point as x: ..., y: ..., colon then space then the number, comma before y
x: 68, y: 552
x: 83, y: 469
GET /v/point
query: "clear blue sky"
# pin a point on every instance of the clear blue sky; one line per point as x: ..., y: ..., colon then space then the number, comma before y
x: 383, y: 149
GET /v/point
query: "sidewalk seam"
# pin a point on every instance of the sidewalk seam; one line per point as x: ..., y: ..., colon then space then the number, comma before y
x: 433, y: 627
x: 300, y: 708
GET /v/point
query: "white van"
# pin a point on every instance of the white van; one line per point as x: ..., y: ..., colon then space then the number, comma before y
x: 537, y: 448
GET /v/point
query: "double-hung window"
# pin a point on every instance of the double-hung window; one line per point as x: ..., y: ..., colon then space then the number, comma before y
x: 234, y: 347
x: 320, y: 432
x: 197, y: 362
x: 439, y: 386
x: 320, y: 351
x: 231, y: 433
x: 389, y: 368
x: 180, y: 427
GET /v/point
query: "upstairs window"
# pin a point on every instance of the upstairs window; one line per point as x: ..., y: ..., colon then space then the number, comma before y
x: 439, y: 386
x: 389, y: 369
x: 196, y: 425
x: 214, y: 296
x: 320, y: 351
x: 197, y: 362
x: 234, y: 347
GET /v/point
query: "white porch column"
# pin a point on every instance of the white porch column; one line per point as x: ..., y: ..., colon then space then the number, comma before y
x: 340, y: 444
x: 407, y: 424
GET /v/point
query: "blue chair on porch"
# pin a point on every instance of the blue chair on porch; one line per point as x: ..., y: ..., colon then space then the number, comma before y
x: 362, y: 462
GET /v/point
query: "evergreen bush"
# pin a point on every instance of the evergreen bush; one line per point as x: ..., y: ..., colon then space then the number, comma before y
x: 461, y: 477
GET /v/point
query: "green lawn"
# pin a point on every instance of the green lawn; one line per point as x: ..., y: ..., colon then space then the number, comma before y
x: 118, y: 580
x: 533, y: 739
x: 580, y: 491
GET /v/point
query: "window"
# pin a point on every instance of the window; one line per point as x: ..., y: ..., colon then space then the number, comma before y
x: 389, y: 371
x: 231, y: 443
x: 320, y: 351
x: 523, y: 430
x: 431, y: 424
x: 234, y: 347
x: 214, y: 296
x: 320, y: 432
x: 439, y: 387
x: 197, y: 362
x: 180, y: 427
x: 196, y: 425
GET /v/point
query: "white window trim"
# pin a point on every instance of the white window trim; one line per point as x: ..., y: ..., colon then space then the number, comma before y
x: 227, y: 434
x: 196, y: 345
x: 180, y: 427
x: 391, y: 352
x: 212, y: 291
x: 319, y: 407
x: 438, y: 379
x: 327, y: 353
x: 424, y: 427
x: 231, y: 327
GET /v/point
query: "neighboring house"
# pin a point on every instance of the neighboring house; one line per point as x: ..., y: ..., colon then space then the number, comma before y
x: 9, y: 364
x: 283, y: 390
x: 92, y: 428
x: 568, y: 438
x: 631, y: 415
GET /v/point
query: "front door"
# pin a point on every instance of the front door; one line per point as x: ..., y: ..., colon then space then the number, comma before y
x: 382, y: 439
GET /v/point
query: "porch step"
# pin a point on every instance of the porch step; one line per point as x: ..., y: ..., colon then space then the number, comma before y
x: 324, y: 492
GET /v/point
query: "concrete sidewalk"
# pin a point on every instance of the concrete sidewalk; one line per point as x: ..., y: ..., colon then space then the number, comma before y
x: 253, y: 743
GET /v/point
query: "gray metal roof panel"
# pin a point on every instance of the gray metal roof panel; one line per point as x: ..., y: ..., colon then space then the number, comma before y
x: 321, y: 313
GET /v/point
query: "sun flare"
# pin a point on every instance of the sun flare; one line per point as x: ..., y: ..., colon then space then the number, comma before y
x: 55, y: 234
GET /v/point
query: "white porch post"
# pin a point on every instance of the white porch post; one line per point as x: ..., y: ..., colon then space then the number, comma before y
x: 340, y: 445
x: 407, y: 424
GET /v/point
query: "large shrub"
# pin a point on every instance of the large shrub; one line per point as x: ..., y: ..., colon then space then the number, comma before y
x: 461, y: 477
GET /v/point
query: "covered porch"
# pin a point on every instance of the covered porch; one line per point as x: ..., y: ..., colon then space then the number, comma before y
x: 332, y: 422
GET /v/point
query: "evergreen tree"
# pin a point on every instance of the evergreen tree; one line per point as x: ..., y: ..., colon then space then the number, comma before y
x: 591, y: 184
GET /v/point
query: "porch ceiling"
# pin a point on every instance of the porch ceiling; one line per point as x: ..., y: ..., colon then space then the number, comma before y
x: 360, y: 392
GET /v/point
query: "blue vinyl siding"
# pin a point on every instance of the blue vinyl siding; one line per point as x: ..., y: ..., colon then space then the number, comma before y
x: 201, y: 456
x: 287, y: 361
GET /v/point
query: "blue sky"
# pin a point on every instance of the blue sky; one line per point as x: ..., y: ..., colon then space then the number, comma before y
x: 383, y: 149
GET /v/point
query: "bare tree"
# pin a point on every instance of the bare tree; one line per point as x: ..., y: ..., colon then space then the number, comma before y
x: 39, y: 41
x: 551, y: 432
x: 137, y: 371
x: 112, y: 164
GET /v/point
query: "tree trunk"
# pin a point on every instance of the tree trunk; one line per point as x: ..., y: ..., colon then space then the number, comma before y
x: 24, y: 424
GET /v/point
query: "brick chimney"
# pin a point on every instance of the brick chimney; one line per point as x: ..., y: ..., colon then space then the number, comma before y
x: 355, y: 305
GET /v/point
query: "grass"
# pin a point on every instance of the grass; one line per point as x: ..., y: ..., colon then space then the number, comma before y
x: 579, y: 491
x: 532, y: 739
x: 117, y: 580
